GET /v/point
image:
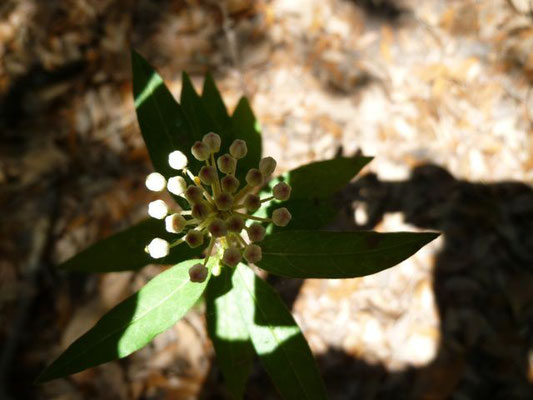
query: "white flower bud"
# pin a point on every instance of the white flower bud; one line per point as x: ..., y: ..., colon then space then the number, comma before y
x: 158, y: 248
x: 155, y: 182
x: 254, y: 177
x: 177, y: 160
x: 198, y: 273
x: 267, y: 165
x: 252, y: 253
x: 238, y: 149
x: 229, y: 184
x: 208, y: 175
x: 175, y: 223
x: 235, y: 224
x: 226, y: 163
x: 281, y: 216
x: 194, y: 238
x: 282, y: 191
x: 256, y: 232
x: 200, y: 151
x: 232, y: 256
x: 224, y: 201
x: 252, y: 202
x: 157, y: 209
x: 193, y: 194
x: 212, y: 140
x: 217, y: 228
x: 200, y: 210
x: 176, y: 185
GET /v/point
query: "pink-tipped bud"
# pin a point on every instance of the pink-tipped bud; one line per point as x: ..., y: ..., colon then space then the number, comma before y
x: 194, y: 238
x: 175, y: 223
x: 281, y: 216
x: 226, y: 163
x: 238, y: 149
x: 212, y: 140
x: 200, y: 210
x: 232, y: 256
x: 158, y: 248
x: 256, y: 232
x: 254, y: 177
x: 267, y: 165
x: 208, y: 175
x: 193, y: 194
x: 229, y: 184
x: 252, y: 253
x: 198, y: 273
x: 200, y: 151
x: 217, y: 228
x: 177, y: 160
x: 224, y: 201
x: 235, y: 224
x: 252, y: 202
x: 282, y: 191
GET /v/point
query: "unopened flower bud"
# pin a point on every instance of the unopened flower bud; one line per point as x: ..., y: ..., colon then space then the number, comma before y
x: 194, y: 238
x: 177, y: 160
x: 256, y: 232
x: 235, y: 224
x: 158, y: 248
x: 175, y: 223
x: 198, y: 273
x: 155, y: 182
x: 157, y: 209
x: 252, y: 253
x: 281, y: 191
x: 224, y: 201
x: 267, y: 165
x: 208, y: 175
x: 200, y: 210
x: 217, y: 228
x: 200, y: 151
x: 232, y: 256
x: 212, y: 140
x: 238, y: 149
x: 193, y: 194
x: 254, y: 177
x: 252, y: 202
x: 229, y: 184
x: 281, y: 216
x: 226, y: 163
x: 176, y: 185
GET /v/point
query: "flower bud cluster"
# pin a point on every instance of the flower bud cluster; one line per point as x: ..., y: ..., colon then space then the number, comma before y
x: 219, y: 205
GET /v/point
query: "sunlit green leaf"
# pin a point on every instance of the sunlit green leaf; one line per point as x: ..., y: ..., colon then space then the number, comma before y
x: 315, y: 254
x: 234, y: 351
x: 132, y: 324
x: 276, y: 338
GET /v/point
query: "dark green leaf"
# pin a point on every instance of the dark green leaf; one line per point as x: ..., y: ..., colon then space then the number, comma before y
x: 215, y: 105
x: 195, y: 111
x: 246, y: 127
x: 234, y: 351
x: 132, y: 324
x: 315, y: 254
x: 277, y: 339
x: 124, y: 251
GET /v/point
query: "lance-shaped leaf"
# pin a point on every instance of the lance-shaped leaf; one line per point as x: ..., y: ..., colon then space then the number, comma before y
x: 276, y: 338
x: 124, y: 251
x: 214, y: 104
x: 132, y: 324
x: 315, y: 254
x: 233, y: 348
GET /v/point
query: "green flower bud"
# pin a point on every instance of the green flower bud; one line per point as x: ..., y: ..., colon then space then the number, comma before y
x: 193, y: 194
x: 217, y: 228
x: 229, y: 184
x: 232, y: 256
x: 238, y: 149
x: 252, y: 202
x: 198, y: 273
x: 256, y: 232
x: 282, y: 191
x: 194, y: 238
x: 235, y: 224
x: 267, y: 165
x: 212, y: 140
x: 176, y: 185
x: 226, y: 163
x: 252, y: 253
x: 254, y: 177
x: 224, y: 201
x: 208, y: 175
x: 281, y: 216
x: 175, y: 223
x: 200, y: 151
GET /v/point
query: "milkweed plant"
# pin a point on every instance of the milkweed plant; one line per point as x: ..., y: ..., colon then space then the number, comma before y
x: 230, y: 216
